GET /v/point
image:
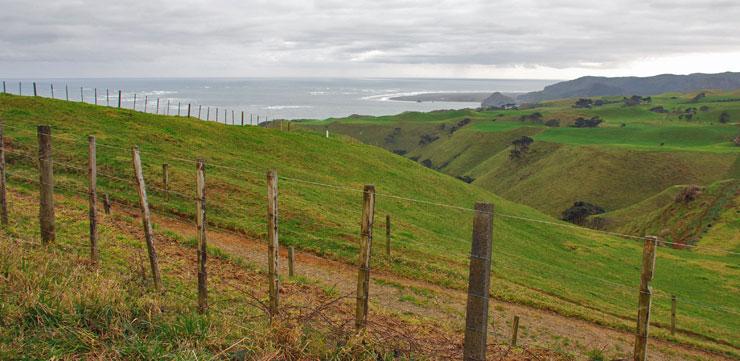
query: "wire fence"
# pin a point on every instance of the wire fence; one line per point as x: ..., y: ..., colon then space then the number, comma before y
x: 323, y: 218
x: 147, y: 102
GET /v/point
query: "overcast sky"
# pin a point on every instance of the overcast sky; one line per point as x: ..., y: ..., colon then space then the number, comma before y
x: 358, y: 38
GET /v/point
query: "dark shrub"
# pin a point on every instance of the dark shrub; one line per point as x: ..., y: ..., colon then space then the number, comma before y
x: 427, y: 138
x: 688, y: 194
x: 724, y: 118
x: 535, y: 117
x: 554, y: 123
x: 579, y: 212
x: 583, y: 103
x: 521, y: 146
x: 587, y: 123
x: 466, y: 178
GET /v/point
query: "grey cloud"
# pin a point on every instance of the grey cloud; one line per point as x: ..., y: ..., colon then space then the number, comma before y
x: 244, y: 35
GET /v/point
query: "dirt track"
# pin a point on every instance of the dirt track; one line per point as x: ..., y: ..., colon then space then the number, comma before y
x: 538, y: 327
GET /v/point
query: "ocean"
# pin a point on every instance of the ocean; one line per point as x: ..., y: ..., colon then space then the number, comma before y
x: 271, y: 98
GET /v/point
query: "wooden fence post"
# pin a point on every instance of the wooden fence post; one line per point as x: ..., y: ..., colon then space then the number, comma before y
x: 107, y: 98
x: 673, y: 314
x: 515, y: 331
x: 178, y: 109
x: 66, y: 91
x: 216, y: 114
x: 242, y: 118
x: 157, y: 112
x: 200, y: 107
x: 643, y: 309
x: 3, y: 186
x: 82, y: 96
x: 52, y: 90
x: 200, y: 218
x: 208, y: 113
x: 106, y: 204
x: 188, y: 110
x: 366, y: 242
x: 388, y: 235
x: 5, y: 91
x: 167, y: 111
x: 92, y: 173
x: 232, y: 117
x: 34, y: 89
x: 479, y: 282
x: 166, y: 180
x: 119, y: 99
x: 134, y: 107
x: 20, y: 88
x: 146, y: 218
x: 96, y: 96
x: 273, y: 245
x: 146, y: 102
x: 46, y: 180
x: 291, y: 260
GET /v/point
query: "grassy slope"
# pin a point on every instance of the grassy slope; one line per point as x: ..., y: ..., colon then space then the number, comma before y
x: 548, y: 266
x: 683, y: 222
x: 616, y: 166
x: 56, y: 305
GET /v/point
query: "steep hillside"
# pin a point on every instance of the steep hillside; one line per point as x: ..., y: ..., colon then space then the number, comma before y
x: 683, y: 214
x: 539, y: 261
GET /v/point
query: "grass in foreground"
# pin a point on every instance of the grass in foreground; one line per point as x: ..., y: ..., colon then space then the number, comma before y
x: 573, y: 272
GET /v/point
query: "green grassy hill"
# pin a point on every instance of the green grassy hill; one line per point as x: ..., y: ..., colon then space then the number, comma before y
x: 636, y: 152
x: 574, y: 272
x: 683, y: 214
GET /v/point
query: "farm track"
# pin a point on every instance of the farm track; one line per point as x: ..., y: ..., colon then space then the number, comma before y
x: 538, y: 328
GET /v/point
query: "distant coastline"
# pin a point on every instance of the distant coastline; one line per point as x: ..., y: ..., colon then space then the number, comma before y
x: 463, y: 97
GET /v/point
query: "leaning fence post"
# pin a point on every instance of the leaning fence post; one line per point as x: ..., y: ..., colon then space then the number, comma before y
x: 388, y: 235
x: 46, y: 180
x: 66, y: 91
x: 273, y: 245
x: 200, y: 218
x: 52, y: 90
x: 673, y: 314
x: 93, y: 214
x: 34, y: 89
x: 366, y: 242
x: 146, y: 218
x: 643, y: 309
x: 3, y: 187
x: 291, y: 260
x: 479, y: 282
x: 106, y: 204
x: 515, y: 331
x: 166, y: 180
